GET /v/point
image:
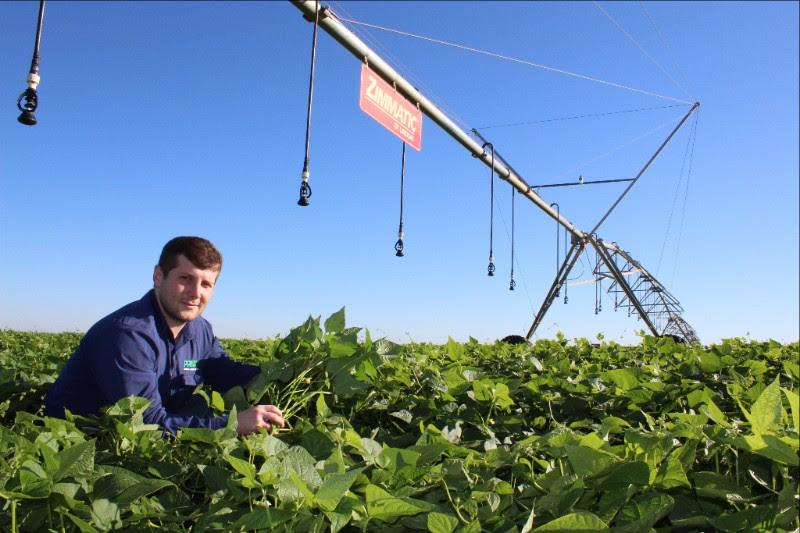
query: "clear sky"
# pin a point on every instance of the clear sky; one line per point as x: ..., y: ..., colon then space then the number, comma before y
x: 159, y: 119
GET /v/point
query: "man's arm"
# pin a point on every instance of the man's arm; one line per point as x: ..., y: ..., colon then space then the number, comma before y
x: 125, y: 365
x: 221, y: 372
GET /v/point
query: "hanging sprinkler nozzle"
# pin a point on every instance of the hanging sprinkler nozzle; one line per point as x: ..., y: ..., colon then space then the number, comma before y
x: 398, y: 246
x: 31, y: 99
x: 305, y: 190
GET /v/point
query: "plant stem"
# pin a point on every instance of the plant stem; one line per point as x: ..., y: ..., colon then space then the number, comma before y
x: 455, y: 507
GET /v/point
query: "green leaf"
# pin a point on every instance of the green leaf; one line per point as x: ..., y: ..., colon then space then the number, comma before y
x: 781, y: 450
x: 384, y: 506
x: 792, y: 369
x: 255, y: 390
x: 621, y: 475
x: 76, y: 461
x: 710, y: 362
x: 333, y: 488
x: 68, y: 491
x: 83, y: 525
x: 216, y: 478
x: 344, y: 384
x: 298, y: 460
x: 335, y: 322
x: 441, y: 522
x: 338, y: 349
x: 105, y: 514
x: 217, y: 403
x: 246, y: 469
x: 323, y: 411
x: 712, y: 485
x: 713, y: 412
x: 261, y: 519
x: 759, y: 518
x: 794, y: 405
x: 393, y: 459
x: 34, y: 482
x: 586, y: 461
x: 454, y: 350
x: 338, y: 520
x: 300, y: 485
x: 642, y: 512
x: 612, y: 501
x: 205, y: 435
x: 123, y: 486
x: 482, y: 390
x: 765, y: 415
x: 671, y: 474
x: 623, y: 378
x: 317, y: 443
x: 580, y: 521
x: 235, y: 397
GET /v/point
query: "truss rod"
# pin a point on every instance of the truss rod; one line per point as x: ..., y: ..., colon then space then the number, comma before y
x: 579, y: 183
x: 561, y: 277
x: 601, y: 250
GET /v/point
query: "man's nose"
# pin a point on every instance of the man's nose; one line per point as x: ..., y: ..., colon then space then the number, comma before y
x: 194, y: 289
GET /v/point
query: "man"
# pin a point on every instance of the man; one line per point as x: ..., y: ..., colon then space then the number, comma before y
x: 160, y: 348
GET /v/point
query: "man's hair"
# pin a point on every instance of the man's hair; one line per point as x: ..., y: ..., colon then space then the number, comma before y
x: 199, y: 251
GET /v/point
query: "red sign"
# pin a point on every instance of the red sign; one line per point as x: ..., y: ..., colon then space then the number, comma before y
x: 382, y: 102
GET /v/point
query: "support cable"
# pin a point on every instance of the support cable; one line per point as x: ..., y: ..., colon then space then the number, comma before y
x: 398, y: 246
x: 616, y: 149
x: 575, y: 117
x: 490, y: 269
x: 634, y: 41
x: 666, y: 45
x: 515, y: 60
x: 29, y: 95
x: 512, y: 283
x: 305, y: 188
x: 674, y: 202
x: 685, y: 200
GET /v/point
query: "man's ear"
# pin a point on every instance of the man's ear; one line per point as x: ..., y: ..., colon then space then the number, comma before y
x: 158, y: 276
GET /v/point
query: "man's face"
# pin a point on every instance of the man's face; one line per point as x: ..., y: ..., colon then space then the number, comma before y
x: 184, y: 292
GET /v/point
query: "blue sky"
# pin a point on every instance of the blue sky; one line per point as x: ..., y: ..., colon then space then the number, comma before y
x: 159, y: 119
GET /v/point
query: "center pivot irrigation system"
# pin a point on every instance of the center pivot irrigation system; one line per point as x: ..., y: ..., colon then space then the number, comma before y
x: 633, y: 287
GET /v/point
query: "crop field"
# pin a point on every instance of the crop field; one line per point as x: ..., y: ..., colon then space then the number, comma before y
x: 463, y: 437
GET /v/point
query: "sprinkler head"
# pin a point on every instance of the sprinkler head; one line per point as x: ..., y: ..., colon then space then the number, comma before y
x: 31, y: 101
x: 27, y: 118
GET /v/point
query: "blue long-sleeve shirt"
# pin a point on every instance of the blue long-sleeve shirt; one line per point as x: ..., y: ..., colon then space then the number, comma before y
x: 131, y: 352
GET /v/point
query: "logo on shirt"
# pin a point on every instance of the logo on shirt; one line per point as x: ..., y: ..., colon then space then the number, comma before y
x: 189, y: 365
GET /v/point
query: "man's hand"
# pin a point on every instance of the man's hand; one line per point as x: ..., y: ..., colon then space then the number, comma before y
x: 257, y: 417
